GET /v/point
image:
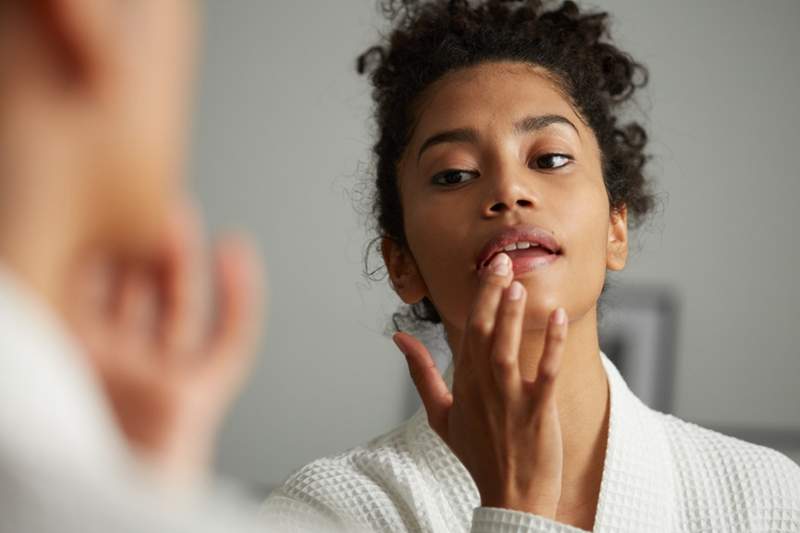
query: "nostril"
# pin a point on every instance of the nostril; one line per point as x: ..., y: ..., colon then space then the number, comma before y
x: 498, y: 207
x: 524, y: 203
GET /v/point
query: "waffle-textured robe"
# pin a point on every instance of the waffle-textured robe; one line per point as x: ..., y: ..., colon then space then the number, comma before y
x: 660, y: 474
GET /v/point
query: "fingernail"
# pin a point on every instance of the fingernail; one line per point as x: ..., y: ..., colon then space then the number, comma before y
x: 561, y: 316
x: 500, y: 265
x: 515, y: 291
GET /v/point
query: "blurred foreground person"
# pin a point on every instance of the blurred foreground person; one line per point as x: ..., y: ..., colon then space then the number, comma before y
x: 114, y: 374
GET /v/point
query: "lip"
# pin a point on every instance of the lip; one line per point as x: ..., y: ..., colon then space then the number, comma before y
x: 521, y: 233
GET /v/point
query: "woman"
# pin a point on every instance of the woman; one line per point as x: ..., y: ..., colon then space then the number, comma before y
x: 504, y: 191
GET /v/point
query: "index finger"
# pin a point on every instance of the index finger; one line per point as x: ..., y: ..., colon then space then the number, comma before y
x: 432, y: 389
x: 481, y: 323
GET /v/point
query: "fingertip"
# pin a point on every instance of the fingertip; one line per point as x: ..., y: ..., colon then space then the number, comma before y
x: 501, y: 267
x: 515, y: 291
x: 448, y: 399
x: 398, y: 341
x: 237, y: 257
x: 238, y: 246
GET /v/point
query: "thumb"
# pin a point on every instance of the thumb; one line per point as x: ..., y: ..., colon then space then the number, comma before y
x: 428, y: 381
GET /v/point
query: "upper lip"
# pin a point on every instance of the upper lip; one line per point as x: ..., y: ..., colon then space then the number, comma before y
x: 515, y: 234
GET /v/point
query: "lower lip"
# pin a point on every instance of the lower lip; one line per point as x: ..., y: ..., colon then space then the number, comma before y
x: 524, y: 261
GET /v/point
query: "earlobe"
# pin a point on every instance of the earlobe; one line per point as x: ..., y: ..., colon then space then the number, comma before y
x: 403, y: 272
x: 617, y: 250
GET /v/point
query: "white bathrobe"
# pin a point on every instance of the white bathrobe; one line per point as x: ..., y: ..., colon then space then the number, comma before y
x: 661, y: 474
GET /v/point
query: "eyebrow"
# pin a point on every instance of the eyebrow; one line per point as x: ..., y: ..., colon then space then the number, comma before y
x: 529, y: 124
x: 463, y: 135
x: 468, y: 135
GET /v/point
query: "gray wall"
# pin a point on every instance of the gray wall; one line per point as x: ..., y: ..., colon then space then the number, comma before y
x: 282, y: 140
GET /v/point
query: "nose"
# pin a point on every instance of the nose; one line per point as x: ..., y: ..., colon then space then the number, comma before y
x: 508, y: 192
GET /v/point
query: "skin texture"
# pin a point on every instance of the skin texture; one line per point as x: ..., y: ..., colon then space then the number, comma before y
x: 510, y: 180
x: 93, y: 217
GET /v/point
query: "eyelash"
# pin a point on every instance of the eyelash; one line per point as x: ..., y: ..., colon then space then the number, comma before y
x: 568, y: 159
x: 439, y: 179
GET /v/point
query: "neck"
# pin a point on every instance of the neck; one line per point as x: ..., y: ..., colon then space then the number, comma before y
x: 582, y: 397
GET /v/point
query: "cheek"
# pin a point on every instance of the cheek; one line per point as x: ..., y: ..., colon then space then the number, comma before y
x: 577, y: 279
x: 438, y: 237
x: 587, y: 230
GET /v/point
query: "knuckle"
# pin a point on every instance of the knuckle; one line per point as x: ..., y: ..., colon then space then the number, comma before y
x: 558, y: 335
x: 493, y: 288
x: 547, y: 374
x: 539, y: 424
x: 493, y: 282
x: 482, y: 326
x: 544, y: 414
x: 503, y: 358
x: 512, y: 309
x: 503, y: 362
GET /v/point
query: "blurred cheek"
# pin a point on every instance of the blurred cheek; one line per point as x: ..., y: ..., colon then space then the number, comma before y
x: 161, y: 64
x: 146, y: 137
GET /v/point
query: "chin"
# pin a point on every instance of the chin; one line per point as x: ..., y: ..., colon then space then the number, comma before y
x: 538, y: 309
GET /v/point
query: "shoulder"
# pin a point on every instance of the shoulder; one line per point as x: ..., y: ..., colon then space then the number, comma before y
x: 728, y: 461
x: 367, y: 485
x: 717, y: 469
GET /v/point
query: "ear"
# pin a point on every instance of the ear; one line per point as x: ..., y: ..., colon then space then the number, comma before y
x: 403, y: 272
x: 78, y: 32
x: 617, y: 250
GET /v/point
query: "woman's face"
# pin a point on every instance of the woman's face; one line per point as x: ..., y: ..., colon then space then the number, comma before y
x: 499, y: 157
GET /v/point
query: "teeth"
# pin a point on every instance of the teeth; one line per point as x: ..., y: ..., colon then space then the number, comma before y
x: 520, y: 246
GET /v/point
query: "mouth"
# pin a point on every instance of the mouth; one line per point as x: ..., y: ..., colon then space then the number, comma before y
x: 529, y: 248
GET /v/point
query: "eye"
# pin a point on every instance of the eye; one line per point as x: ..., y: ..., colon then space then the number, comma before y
x: 552, y: 161
x: 453, y: 177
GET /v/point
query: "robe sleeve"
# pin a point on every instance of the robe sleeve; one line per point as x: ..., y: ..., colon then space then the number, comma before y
x: 494, y: 520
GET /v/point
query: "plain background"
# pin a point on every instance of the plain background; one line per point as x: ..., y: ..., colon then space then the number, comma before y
x: 282, y: 143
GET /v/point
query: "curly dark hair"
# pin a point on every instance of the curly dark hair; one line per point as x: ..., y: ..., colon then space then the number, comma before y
x: 430, y: 38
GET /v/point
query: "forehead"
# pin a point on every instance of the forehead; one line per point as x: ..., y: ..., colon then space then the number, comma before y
x: 491, y: 94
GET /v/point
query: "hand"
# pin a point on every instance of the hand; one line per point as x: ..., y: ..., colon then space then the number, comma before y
x: 502, y: 427
x: 169, y: 368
